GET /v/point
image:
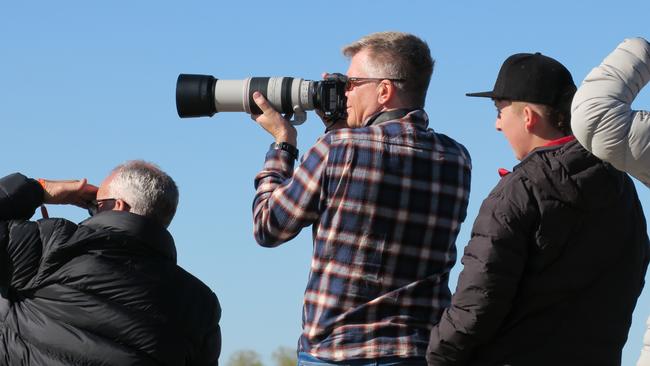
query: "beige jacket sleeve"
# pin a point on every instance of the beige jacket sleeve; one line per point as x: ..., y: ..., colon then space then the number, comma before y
x: 602, y: 118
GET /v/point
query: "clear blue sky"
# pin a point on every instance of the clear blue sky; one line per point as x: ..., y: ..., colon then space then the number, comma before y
x: 85, y: 85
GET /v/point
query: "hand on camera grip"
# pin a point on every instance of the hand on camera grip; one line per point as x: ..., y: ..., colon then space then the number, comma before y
x: 273, y: 122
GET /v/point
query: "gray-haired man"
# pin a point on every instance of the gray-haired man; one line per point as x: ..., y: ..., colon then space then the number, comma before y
x: 385, y: 198
x: 107, y: 291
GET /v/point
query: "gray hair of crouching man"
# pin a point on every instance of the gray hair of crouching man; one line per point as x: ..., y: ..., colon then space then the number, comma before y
x: 148, y: 190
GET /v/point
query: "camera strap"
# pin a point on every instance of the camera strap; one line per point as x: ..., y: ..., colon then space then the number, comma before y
x: 388, y: 116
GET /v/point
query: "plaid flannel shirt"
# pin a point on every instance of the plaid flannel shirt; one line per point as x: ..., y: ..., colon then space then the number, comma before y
x: 386, y: 203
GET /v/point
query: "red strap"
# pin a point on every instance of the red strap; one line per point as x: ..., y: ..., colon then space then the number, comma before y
x: 44, y: 212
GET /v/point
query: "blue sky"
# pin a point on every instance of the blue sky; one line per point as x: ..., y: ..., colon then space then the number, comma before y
x: 86, y: 85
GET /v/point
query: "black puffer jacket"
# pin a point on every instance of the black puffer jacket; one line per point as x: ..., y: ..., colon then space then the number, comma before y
x: 105, y: 292
x: 552, y: 273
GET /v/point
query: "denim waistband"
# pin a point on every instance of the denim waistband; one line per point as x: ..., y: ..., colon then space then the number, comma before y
x: 305, y: 359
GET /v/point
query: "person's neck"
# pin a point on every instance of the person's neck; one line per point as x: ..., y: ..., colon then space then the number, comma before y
x: 539, y: 142
x: 396, y: 103
x: 543, y: 137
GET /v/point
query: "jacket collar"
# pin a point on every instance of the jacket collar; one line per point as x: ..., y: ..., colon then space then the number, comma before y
x: 412, y: 115
x: 147, y: 231
x: 551, y: 145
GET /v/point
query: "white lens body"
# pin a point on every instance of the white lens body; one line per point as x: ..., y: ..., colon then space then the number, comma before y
x: 236, y: 95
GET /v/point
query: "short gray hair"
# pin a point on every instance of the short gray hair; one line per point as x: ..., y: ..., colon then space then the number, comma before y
x: 148, y: 190
x: 398, y: 55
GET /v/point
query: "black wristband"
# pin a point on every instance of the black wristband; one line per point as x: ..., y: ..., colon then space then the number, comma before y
x: 292, y: 150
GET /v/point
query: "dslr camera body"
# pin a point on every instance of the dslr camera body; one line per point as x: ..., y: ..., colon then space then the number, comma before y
x: 205, y: 95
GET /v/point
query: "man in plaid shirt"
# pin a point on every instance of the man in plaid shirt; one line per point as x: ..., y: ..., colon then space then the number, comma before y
x: 385, y: 197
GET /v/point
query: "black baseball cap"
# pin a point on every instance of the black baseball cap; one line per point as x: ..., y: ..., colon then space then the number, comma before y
x: 534, y: 78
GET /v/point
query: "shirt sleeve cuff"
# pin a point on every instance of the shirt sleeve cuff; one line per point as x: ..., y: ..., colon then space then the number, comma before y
x: 279, y: 160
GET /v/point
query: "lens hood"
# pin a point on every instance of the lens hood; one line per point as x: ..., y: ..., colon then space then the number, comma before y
x: 195, y: 95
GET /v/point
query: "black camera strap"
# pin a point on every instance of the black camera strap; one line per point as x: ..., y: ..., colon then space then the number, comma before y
x: 388, y: 116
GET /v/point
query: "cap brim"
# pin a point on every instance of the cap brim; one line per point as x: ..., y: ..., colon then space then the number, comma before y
x: 487, y: 94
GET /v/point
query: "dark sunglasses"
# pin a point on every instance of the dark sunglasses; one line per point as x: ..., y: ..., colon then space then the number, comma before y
x: 95, y: 205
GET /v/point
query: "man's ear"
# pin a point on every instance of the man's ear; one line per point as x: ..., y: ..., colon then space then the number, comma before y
x: 531, y: 118
x: 120, y: 205
x: 386, y: 92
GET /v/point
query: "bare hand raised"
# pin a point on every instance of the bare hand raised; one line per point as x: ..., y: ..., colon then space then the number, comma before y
x: 273, y: 122
x: 68, y: 192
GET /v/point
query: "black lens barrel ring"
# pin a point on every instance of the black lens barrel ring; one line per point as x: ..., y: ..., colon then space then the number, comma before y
x: 195, y: 95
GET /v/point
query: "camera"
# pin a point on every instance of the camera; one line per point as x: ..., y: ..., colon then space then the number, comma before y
x: 204, y: 95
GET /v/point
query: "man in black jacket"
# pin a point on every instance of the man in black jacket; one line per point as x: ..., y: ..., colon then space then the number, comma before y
x: 104, y: 292
x: 559, y: 250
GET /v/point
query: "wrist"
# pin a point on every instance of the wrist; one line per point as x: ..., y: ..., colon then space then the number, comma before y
x: 41, y: 181
x: 285, y: 146
x: 288, y: 137
x: 43, y: 184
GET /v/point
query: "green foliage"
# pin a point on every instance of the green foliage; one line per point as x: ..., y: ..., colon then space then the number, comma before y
x: 282, y: 356
x: 244, y: 358
x: 285, y: 356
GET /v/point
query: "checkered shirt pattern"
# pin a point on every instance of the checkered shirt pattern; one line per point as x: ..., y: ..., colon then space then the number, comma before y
x: 386, y: 203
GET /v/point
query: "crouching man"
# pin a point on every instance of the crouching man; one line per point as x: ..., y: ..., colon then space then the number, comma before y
x: 107, y: 291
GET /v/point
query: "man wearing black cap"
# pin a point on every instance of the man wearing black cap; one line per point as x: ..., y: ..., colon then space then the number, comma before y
x: 559, y: 249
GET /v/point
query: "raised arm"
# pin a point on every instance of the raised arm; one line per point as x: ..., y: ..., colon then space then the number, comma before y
x: 602, y: 118
x: 20, y: 240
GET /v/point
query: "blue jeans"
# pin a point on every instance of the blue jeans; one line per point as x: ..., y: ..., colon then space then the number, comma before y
x: 305, y: 359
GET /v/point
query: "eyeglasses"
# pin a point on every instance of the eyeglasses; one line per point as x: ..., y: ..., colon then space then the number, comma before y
x: 351, y: 82
x: 95, y: 205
